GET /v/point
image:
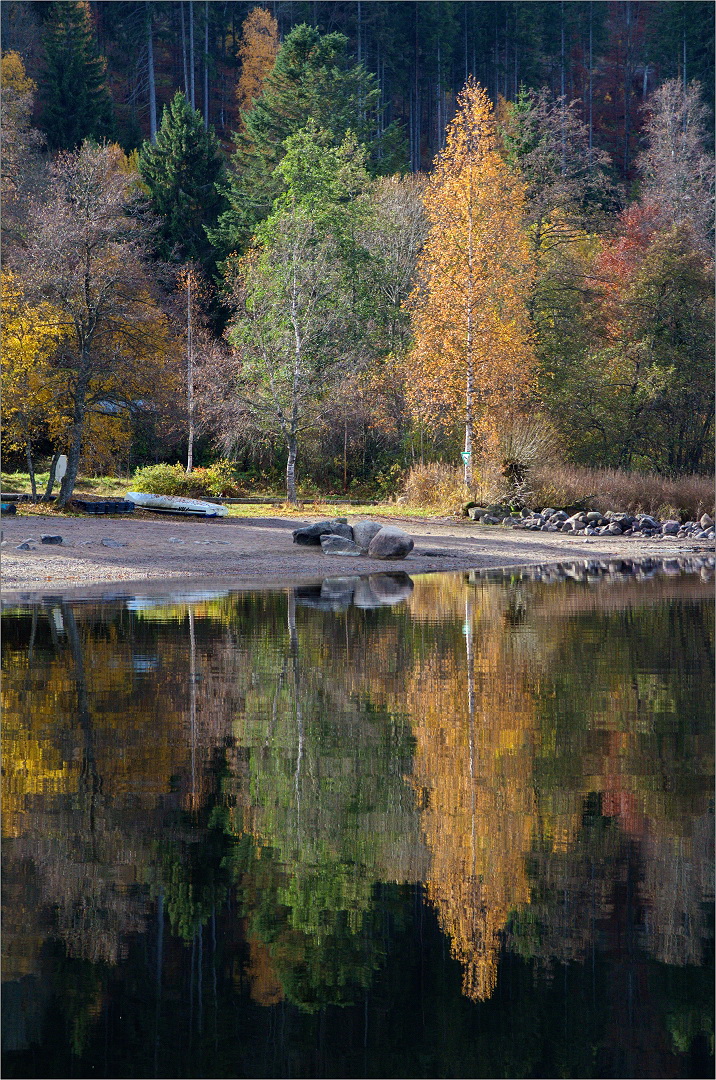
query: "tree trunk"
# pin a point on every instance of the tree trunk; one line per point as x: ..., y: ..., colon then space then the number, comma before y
x: 470, y: 374
x: 73, y: 458
x: 591, y: 85
x: 51, y: 478
x: 206, y: 64
x: 150, y: 70
x: 189, y: 378
x: 31, y: 470
x: 183, y: 50
x: 191, y: 54
x: 291, y: 469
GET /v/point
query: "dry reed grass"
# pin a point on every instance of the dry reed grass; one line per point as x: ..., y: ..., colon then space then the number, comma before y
x: 438, y: 486
x: 615, y: 489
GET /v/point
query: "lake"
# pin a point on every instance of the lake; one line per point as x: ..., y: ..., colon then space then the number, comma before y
x: 459, y: 825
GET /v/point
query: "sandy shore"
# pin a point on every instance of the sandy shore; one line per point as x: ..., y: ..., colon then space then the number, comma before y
x: 259, y: 551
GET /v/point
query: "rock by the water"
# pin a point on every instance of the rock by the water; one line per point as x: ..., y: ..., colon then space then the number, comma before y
x: 50, y: 538
x: 336, y: 544
x: 363, y: 533
x: 310, y: 535
x: 25, y: 546
x: 670, y: 528
x: 706, y: 521
x: 390, y: 543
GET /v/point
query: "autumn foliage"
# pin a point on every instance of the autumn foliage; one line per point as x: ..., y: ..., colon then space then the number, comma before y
x: 472, y: 355
x: 258, y: 50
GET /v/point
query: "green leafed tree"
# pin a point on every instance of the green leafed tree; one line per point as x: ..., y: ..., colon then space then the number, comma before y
x: 76, y: 101
x: 314, y: 78
x: 298, y: 292
x: 182, y: 171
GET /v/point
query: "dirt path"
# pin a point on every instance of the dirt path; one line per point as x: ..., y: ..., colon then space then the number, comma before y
x: 253, y: 551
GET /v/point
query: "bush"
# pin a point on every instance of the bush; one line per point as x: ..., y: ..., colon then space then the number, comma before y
x: 215, y: 480
x: 437, y: 486
x: 161, y: 480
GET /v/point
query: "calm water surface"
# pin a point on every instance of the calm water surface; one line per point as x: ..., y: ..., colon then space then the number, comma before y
x: 383, y: 828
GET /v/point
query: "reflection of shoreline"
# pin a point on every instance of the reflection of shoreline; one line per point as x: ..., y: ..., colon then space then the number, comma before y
x: 507, y: 759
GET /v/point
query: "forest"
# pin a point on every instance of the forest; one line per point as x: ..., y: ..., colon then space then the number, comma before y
x: 346, y: 247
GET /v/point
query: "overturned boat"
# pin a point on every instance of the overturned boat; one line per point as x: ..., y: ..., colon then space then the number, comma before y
x: 176, y: 504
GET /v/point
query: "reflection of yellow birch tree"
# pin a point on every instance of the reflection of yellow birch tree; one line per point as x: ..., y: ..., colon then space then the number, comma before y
x: 473, y: 763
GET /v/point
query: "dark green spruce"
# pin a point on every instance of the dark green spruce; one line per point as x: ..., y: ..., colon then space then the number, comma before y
x: 314, y: 78
x: 183, y: 171
x: 76, y: 102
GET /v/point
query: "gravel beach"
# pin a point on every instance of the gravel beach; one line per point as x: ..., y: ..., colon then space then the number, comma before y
x: 243, y: 552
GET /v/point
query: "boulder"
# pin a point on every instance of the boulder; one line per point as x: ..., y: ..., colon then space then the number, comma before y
x: 336, y: 544
x: 670, y: 528
x: 706, y: 521
x: 363, y: 533
x: 310, y: 535
x: 48, y: 538
x: 476, y: 512
x: 390, y: 543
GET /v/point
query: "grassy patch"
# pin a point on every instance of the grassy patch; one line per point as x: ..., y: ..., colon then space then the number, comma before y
x: 109, y: 486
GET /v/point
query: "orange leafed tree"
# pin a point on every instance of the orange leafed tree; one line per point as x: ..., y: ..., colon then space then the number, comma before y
x: 258, y: 49
x: 472, y: 356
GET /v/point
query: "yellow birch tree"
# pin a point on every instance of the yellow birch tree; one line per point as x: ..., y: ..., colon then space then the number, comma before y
x: 472, y: 355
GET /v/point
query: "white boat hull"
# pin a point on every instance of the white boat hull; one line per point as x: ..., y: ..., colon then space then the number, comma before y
x: 177, y: 504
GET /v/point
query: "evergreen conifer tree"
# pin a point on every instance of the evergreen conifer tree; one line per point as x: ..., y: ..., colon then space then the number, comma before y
x: 76, y: 101
x: 183, y: 171
x: 313, y: 78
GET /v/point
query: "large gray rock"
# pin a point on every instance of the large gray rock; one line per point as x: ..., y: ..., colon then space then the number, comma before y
x: 670, y: 528
x: 390, y: 543
x: 310, y: 535
x: 706, y: 521
x: 363, y: 533
x: 336, y: 544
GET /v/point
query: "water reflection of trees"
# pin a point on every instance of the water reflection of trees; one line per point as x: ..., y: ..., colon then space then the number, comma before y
x: 528, y: 752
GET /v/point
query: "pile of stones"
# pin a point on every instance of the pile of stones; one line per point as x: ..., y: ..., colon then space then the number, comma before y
x: 593, y: 522
x: 337, y: 537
